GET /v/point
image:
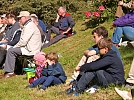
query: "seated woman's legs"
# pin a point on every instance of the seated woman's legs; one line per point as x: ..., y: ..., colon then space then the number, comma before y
x: 127, y: 31
x: 117, y: 35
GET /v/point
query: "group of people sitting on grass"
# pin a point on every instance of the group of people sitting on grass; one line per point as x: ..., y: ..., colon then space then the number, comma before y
x: 26, y: 34
x: 29, y: 36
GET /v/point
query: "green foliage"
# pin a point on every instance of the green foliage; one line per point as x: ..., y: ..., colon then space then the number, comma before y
x: 46, y: 10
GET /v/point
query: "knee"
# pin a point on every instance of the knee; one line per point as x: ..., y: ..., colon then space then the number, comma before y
x: 10, y: 50
x: 50, y: 77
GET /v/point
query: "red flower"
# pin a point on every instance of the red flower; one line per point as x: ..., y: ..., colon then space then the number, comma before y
x: 88, y: 14
x: 101, y: 8
x: 96, y: 14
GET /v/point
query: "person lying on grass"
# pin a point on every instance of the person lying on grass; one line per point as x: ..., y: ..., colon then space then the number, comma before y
x: 106, y: 70
x: 51, y: 75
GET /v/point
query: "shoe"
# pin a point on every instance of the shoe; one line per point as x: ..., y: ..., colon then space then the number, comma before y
x: 8, y: 75
x: 92, y: 89
x: 70, y: 91
x: 123, y: 94
x: 41, y: 89
x: 46, y: 42
x: 129, y: 85
x: 130, y: 44
x: 124, y: 43
x: 29, y: 86
x: 76, y: 94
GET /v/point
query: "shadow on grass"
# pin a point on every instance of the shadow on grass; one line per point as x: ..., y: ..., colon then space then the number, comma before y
x: 94, y: 22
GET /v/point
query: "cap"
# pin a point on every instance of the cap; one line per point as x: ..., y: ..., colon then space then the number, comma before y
x: 40, y: 56
x: 24, y: 13
x: 34, y: 15
x: 3, y: 16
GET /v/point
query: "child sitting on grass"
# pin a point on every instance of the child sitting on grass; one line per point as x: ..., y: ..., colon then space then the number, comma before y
x: 51, y: 75
x: 40, y: 62
x: 106, y: 70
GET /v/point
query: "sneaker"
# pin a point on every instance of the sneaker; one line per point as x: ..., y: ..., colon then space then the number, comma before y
x: 76, y: 94
x: 46, y: 42
x: 92, y: 89
x: 123, y: 94
x: 70, y: 90
x: 130, y: 44
x: 41, y: 89
x: 29, y: 86
x: 129, y: 85
x: 124, y: 43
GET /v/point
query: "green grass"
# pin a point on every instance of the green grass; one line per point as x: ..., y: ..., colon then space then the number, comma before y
x: 71, y: 50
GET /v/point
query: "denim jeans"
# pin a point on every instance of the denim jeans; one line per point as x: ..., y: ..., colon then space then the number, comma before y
x: 85, y: 78
x: 127, y: 31
x: 46, y: 81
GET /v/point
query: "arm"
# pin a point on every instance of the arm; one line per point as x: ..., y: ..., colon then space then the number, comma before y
x: 98, y: 64
x: 15, y: 39
x: 125, y: 20
x: 57, y: 23
x: 44, y: 71
x: 89, y: 53
x: 71, y: 24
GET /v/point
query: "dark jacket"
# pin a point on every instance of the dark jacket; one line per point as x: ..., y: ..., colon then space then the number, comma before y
x: 15, y: 38
x: 55, y: 70
x: 65, y: 22
x: 11, y: 30
x: 112, y: 66
x: 126, y: 20
x: 42, y: 25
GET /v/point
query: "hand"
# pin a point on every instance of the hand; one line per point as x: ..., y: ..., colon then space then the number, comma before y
x: 58, y: 16
x: 86, y: 53
x: 120, y: 3
x: 77, y: 68
x: 64, y: 32
x: 5, y: 46
x: 113, y: 26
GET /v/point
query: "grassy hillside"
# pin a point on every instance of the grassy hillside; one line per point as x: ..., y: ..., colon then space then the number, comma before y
x: 71, y: 50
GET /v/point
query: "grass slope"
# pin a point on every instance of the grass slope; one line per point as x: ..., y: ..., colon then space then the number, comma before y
x: 71, y: 50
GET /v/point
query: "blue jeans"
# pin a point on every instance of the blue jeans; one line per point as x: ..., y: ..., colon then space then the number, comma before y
x: 85, y: 78
x: 46, y: 81
x: 127, y: 31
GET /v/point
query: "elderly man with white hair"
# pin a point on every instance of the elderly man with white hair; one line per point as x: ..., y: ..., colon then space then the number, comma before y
x: 29, y: 43
x: 62, y: 27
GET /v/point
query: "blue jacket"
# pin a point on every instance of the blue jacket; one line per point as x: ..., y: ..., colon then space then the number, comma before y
x: 112, y: 66
x: 65, y: 22
x: 15, y: 38
x: 42, y: 25
x: 55, y: 70
x: 126, y: 20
